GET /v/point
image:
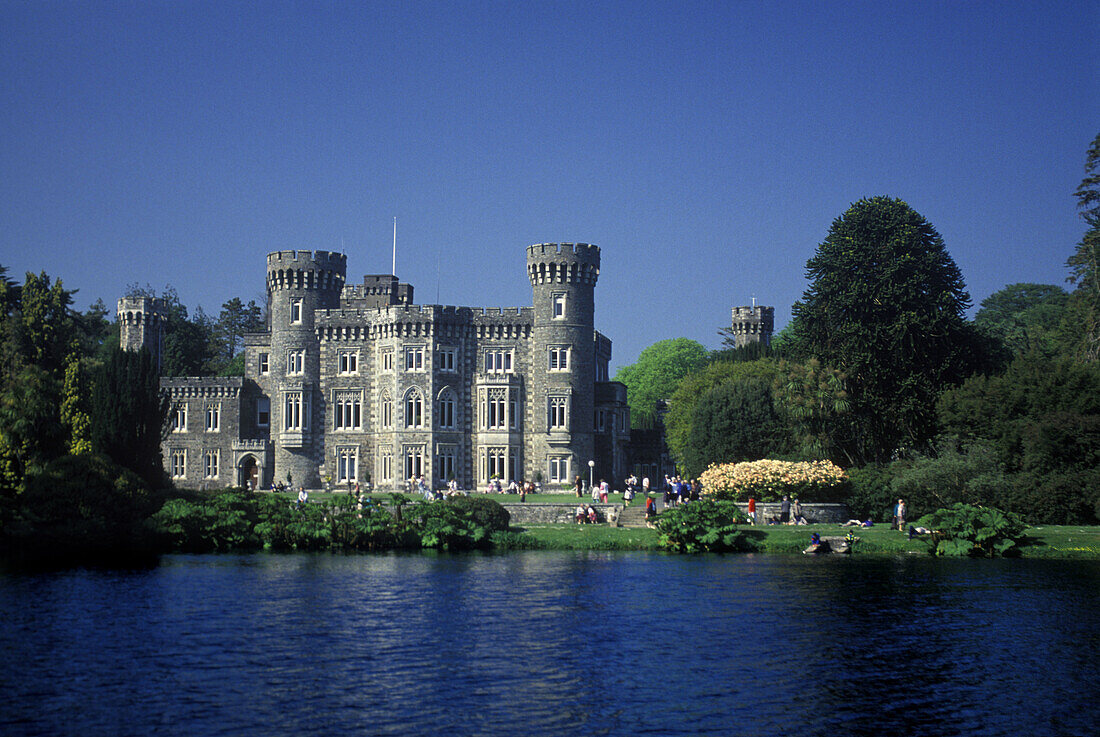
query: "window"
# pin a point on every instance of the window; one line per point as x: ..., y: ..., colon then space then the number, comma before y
x: 493, y: 463
x: 264, y: 364
x: 293, y: 412
x: 513, y: 410
x: 601, y: 371
x: 295, y: 311
x: 179, y: 417
x: 210, y: 464
x: 414, y: 408
x: 347, y: 464
x: 385, y: 465
x: 447, y: 358
x: 263, y: 412
x: 295, y: 362
x: 599, y: 424
x: 445, y: 415
x: 414, y: 461
x: 445, y: 463
x: 385, y: 410
x: 558, y: 299
x: 348, y: 411
x: 179, y: 463
x: 493, y: 406
x: 414, y: 358
x: 213, y: 417
x: 348, y: 362
x: 498, y: 362
x: 559, y: 469
x: 559, y: 358
x: 387, y: 359
x: 558, y: 413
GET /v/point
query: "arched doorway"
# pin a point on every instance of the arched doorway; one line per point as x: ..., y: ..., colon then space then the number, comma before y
x: 249, y: 475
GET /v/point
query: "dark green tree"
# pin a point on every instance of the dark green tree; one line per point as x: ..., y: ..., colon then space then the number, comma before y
x: 735, y: 421
x: 1083, y: 320
x: 129, y: 414
x: 1025, y: 317
x: 658, y: 370
x: 885, y: 305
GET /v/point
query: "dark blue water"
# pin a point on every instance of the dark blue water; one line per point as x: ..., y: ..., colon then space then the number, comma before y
x: 553, y: 644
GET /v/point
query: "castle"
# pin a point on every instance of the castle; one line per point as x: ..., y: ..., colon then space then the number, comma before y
x: 354, y: 383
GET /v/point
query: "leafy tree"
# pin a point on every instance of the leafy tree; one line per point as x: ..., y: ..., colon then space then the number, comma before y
x: 657, y: 372
x: 1083, y: 321
x: 129, y: 413
x: 679, y: 419
x: 1025, y: 317
x: 815, y: 400
x: 75, y: 410
x: 735, y: 421
x: 47, y: 322
x: 885, y: 305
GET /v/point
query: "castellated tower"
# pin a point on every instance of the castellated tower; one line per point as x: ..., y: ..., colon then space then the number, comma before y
x: 752, y: 325
x: 141, y: 323
x: 298, y: 284
x: 563, y: 361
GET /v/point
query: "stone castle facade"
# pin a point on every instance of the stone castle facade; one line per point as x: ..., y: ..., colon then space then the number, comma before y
x: 752, y: 324
x: 356, y: 383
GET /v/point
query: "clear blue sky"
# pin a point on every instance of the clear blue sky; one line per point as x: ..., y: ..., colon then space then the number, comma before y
x: 706, y: 147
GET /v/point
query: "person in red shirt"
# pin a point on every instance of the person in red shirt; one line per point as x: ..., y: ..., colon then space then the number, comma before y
x: 752, y: 510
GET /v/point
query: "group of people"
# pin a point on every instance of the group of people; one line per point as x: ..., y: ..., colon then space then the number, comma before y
x: 585, y: 514
x: 790, y: 512
x: 680, y: 490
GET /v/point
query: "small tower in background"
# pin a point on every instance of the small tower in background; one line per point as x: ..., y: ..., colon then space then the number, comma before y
x: 141, y: 324
x: 752, y: 324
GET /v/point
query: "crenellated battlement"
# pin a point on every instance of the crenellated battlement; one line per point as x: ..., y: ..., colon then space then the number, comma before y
x: 315, y: 270
x: 752, y: 324
x: 142, y: 310
x: 563, y: 263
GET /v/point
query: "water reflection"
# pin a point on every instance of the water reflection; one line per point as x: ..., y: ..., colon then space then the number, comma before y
x: 548, y: 643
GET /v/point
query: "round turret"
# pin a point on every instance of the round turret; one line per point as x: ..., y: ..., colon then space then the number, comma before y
x: 563, y: 361
x: 299, y: 283
x: 141, y: 324
x: 752, y: 325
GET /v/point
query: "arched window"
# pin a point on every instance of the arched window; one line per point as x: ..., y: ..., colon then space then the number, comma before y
x: 445, y: 415
x: 385, y: 410
x: 414, y: 408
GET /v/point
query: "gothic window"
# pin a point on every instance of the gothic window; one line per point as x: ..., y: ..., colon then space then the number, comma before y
x: 559, y: 468
x: 293, y: 412
x: 558, y: 413
x: 494, y: 402
x: 414, y: 408
x: 179, y: 417
x: 387, y: 359
x: 498, y: 362
x: 447, y: 359
x: 445, y: 463
x: 414, y: 358
x: 213, y: 417
x: 179, y: 463
x: 558, y: 299
x: 210, y: 464
x: 414, y: 461
x: 559, y: 358
x: 348, y: 411
x: 347, y: 464
x: 348, y: 362
x: 385, y: 465
x: 446, y: 413
x: 493, y: 463
x: 385, y: 411
x: 295, y: 362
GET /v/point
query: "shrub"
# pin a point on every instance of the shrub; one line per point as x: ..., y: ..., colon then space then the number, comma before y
x: 486, y: 512
x: 707, y: 525
x: 767, y: 480
x: 869, y: 493
x: 447, y: 526
x: 965, y: 529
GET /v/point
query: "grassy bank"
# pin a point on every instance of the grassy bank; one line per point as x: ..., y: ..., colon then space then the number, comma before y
x: 1050, y: 541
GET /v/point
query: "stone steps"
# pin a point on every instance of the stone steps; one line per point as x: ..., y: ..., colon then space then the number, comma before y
x: 633, y: 516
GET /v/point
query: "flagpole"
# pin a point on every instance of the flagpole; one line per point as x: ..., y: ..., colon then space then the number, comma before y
x: 394, y: 247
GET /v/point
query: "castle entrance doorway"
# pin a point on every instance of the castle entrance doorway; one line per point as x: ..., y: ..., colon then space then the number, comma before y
x: 249, y: 473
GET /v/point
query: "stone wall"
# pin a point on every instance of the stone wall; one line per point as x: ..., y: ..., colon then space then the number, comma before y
x: 544, y: 514
x: 814, y: 513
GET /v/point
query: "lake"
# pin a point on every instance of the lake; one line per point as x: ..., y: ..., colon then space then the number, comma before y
x: 547, y: 643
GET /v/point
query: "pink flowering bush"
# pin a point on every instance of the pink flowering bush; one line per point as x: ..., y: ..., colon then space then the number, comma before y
x: 767, y: 480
